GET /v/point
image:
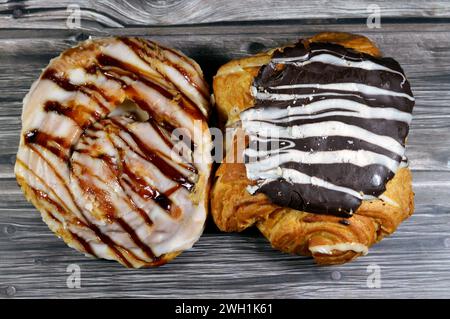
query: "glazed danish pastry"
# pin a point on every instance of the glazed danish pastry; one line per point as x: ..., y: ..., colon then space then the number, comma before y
x: 96, y: 150
x: 318, y: 161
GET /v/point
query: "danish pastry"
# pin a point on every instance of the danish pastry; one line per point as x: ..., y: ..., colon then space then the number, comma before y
x: 317, y: 161
x: 96, y: 150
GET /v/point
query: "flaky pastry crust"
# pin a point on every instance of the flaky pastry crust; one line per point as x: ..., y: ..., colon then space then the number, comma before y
x: 328, y: 239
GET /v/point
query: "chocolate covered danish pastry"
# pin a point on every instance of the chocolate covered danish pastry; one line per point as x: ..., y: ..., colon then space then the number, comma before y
x: 96, y: 150
x: 318, y: 156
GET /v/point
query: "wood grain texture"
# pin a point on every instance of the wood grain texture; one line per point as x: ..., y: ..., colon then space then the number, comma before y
x: 118, y: 14
x: 414, y: 262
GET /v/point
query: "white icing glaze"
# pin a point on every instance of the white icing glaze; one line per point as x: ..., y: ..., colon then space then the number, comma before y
x: 388, y: 200
x: 328, y: 249
x: 334, y: 60
x: 363, y: 88
x: 327, y: 128
x: 279, y: 115
x: 297, y: 177
x: 293, y: 97
x: 359, y: 157
x: 290, y: 59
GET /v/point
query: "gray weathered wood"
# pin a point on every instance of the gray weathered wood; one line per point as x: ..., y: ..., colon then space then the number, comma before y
x: 414, y: 262
x: 117, y: 13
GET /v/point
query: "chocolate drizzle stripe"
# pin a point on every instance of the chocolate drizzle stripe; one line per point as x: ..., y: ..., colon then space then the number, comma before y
x: 139, y: 210
x: 124, y: 69
x: 342, y: 75
x: 144, y: 105
x: 108, y: 208
x: 131, y: 148
x: 135, y: 238
x: 62, y: 208
x: 77, y: 114
x: 179, y: 55
x: 170, y: 144
x: 121, y: 68
x: 65, y: 84
x: 57, y: 174
x: 136, y: 183
x: 107, y: 160
x: 112, y: 245
x: 44, y: 196
x: 53, y: 217
x: 56, y: 145
x: 140, y: 187
x: 136, y: 45
x: 87, y: 247
x: 153, y: 157
x: 113, y: 167
x: 138, y: 50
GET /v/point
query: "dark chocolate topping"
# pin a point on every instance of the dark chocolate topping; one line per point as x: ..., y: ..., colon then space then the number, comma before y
x: 328, y: 127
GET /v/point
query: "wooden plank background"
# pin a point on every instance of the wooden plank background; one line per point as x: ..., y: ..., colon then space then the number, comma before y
x: 414, y: 262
